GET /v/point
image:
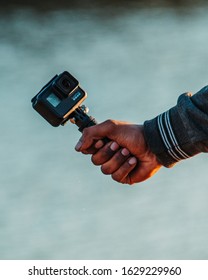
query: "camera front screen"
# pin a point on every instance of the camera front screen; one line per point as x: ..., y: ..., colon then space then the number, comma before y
x: 54, y: 100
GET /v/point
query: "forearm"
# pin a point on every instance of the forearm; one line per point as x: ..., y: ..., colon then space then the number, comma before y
x: 182, y: 131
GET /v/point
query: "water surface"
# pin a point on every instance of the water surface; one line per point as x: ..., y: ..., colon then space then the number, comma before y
x: 54, y: 204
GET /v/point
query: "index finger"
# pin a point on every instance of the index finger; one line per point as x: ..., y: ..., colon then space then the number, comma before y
x: 97, y: 132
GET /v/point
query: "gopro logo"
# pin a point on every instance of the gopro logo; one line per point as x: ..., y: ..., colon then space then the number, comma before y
x: 76, y: 96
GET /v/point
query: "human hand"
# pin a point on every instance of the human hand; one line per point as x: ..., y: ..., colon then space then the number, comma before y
x: 133, y: 163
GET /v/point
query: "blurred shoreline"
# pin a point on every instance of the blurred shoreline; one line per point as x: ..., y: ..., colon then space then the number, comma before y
x: 100, y: 4
x: 133, y: 58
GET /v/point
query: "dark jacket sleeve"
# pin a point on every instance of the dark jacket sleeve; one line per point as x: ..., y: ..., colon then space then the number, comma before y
x: 182, y: 131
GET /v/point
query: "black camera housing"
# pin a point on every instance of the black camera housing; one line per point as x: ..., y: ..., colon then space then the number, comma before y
x: 59, y: 98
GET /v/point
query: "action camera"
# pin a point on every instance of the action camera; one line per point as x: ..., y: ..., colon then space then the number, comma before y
x: 60, y: 101
x: 58, y: 98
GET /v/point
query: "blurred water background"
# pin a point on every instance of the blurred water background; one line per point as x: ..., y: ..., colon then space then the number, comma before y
x: 134, y: 59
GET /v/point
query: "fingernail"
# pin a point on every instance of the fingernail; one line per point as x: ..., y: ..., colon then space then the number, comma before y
x: 125, y: 152
x: 114, y: 146
x: 99, y: 144
x: 132, y: 161
x: 78, y: 146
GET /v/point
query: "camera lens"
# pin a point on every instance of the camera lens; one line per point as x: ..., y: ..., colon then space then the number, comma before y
x: 66, y: 84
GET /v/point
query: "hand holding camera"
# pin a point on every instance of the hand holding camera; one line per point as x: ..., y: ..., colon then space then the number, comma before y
x: 60, y: 100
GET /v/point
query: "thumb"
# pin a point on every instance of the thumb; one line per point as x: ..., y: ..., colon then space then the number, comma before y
x: 93, y: 133
x: 79, y: 144
x: 87, y: 140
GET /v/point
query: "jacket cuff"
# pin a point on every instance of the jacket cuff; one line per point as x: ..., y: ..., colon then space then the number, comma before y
x: 167, y: 138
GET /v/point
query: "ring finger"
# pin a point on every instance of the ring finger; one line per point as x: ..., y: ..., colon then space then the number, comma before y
x: 115, y: 162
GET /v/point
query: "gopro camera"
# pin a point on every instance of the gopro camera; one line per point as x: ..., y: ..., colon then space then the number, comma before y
x: 59, y: 101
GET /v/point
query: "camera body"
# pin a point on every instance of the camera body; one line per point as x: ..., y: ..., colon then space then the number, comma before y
x: 58, y: 100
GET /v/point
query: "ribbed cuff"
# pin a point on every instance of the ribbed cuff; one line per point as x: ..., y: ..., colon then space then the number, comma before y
x: 167, y: 138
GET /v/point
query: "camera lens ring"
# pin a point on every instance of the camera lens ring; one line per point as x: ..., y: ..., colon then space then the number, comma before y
x: 65, y: 83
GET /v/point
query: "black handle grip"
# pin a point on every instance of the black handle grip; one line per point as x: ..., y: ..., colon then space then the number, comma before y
x: 82, y: 120
x: 87, y: 122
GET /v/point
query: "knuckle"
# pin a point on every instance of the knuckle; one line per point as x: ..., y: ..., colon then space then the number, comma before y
x: 111, y: 124
x: 105, y: 170
x: 85, y: 152
x: 130, y: 182
x: 94, y: 160
x: 85, y: 132
x: 123, y: 180
x: 116, y: 178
